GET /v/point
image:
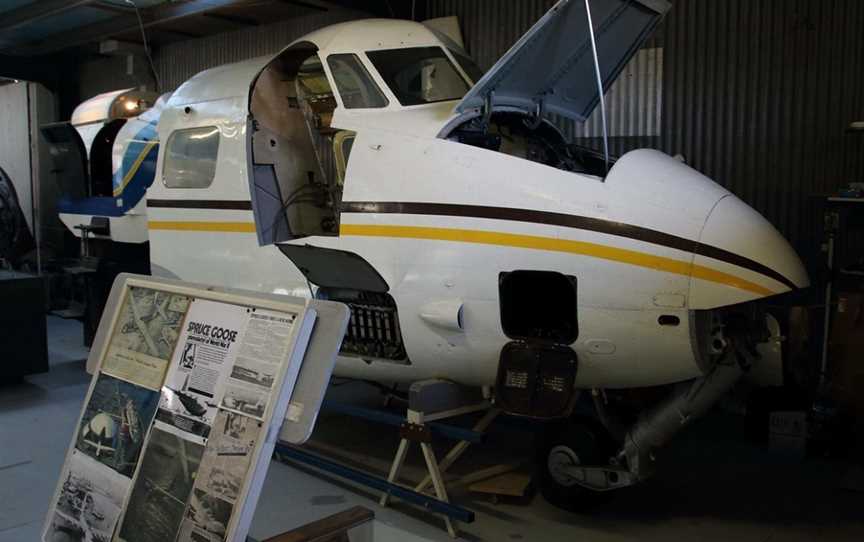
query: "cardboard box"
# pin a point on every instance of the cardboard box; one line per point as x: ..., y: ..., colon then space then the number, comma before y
x: 846, y: 354
x: 787, y: 433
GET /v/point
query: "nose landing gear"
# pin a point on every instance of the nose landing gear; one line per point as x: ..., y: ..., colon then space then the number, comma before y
x: 571, y: 454
x: 579, y: 459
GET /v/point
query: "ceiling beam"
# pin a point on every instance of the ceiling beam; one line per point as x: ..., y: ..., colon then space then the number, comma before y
x: 153, y: 16
x: 374, y: 7
x: 310, y: 4
x: 235, y: 20
x: 37, y: 10
x: 104, y: 5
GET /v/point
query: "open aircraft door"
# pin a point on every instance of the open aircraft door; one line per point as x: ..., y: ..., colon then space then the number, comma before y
x: 297, y: 165
x: 293, y: 172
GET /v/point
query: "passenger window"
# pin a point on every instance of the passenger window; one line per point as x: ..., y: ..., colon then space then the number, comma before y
x: 190, y: 158
x: 355, y: 85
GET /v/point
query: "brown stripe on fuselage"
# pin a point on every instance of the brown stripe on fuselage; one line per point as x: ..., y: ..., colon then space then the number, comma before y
x: 598, y: 225
x: 618, y: 229
x: 231, y: 205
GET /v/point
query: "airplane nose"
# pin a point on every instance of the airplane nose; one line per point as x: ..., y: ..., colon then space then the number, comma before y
x: 742, y: 257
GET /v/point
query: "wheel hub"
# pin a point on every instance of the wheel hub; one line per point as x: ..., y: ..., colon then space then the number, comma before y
x: 561, y: 460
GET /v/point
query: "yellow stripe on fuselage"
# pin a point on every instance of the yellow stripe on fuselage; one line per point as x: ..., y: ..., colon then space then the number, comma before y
x: 225, y: 227
x: 594, y: 250
x: 135, y: 165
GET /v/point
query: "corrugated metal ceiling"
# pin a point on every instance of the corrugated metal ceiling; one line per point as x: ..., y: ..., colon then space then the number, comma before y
x: 34, y: 28
x: 56, y: 24
x: 141, y: 4
x: 9, y: 5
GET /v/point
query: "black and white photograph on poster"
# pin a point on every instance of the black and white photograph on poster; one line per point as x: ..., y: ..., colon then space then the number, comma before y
x: 144, y: 337
x: 206, y: 518
x: 63, y: 529
x: 201, y: 364
x: 115, y: 423
x: 191, y: 412
x: 89, y: 503
x: 228, y: 455
x: 253, y: 372
x: 248, y: 400
x: 150, y: 322
x: 162, y: 487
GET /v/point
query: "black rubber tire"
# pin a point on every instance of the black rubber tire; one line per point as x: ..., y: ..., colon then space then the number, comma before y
x: 590, y: 443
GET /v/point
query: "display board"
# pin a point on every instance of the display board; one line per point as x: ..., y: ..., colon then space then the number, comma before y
x: 182, y: 414
x: 318, y: 363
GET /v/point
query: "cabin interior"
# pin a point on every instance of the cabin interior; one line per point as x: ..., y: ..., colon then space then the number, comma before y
x: 299, y: 159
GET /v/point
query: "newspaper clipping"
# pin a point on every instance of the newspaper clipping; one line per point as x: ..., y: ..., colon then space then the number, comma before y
x: 144, y: 336
x: 162, y: 486
x: 214, y: 446
x: 206, y: 520
x: 228, y: 455
x: 264, y: 348
x: 89, y: 504
x: 193, y: 465
x: 201, y: 365
x: 220, y: 480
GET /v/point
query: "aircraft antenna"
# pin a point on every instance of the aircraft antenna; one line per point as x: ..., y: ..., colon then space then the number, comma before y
x: 599, y: 85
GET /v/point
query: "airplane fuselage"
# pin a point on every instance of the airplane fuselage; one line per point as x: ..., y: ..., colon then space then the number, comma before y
x: 440, y: 221
x: 653, y: 246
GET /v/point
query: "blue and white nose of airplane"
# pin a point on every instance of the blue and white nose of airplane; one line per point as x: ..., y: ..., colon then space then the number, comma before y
x: 745, y: 250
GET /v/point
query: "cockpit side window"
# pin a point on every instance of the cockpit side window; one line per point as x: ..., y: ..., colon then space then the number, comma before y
x: 355, y: 85
x: 419, y: 75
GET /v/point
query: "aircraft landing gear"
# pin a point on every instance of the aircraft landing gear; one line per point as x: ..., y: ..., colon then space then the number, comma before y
x: 564, y: 450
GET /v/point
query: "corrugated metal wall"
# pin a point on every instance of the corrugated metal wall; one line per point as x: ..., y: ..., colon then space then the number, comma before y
x: 755, y: 93
x: 178, y: 62
x: 15, y: 155
x: 25, y: 158
x: 758, y: 95
x: 634, y: 102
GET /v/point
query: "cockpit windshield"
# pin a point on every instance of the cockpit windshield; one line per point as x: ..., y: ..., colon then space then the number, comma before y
x: 419, y: 75
x: 471, y: 69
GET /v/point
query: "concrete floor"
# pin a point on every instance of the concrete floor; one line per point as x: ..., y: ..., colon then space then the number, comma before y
x: 713, y: 485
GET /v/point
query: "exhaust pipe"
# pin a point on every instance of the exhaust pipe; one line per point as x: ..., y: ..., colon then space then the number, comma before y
x: 656, y: 427
x: 659, y: 425
x: 749, y: 338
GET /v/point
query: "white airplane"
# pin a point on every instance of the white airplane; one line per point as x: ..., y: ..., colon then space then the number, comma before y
x: 106, y: 159
x: 100, y: 433
x: 373, y: 163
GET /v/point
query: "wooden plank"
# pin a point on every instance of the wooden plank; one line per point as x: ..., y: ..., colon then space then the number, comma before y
x: 330, y: 529
x: 483, y: 474
x: 510, y: 484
